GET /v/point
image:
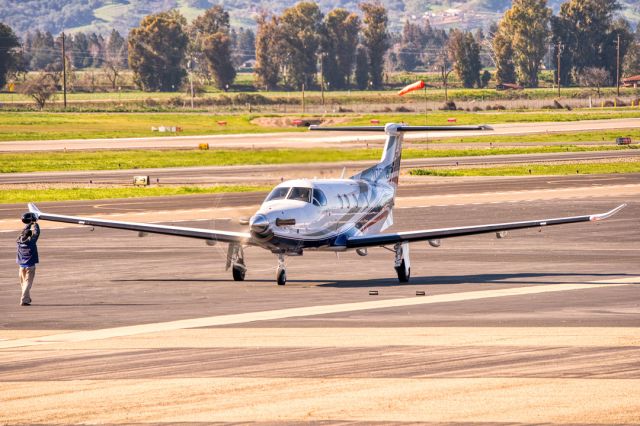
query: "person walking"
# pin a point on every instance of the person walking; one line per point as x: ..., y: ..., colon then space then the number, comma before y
x: 27, y: 256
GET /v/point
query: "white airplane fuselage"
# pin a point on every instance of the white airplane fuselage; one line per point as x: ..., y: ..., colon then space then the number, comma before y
x: 321, y: 214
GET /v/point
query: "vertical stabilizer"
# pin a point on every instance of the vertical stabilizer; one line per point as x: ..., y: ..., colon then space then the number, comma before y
x: 388, y: 169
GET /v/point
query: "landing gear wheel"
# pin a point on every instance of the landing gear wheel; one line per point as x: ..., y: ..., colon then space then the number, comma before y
x: 281, y: 277
x: 404, y: 273
x: 238, y: 273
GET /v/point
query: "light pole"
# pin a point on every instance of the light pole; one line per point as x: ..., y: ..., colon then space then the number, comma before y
x: 560, y: 48
x: 617, y: 42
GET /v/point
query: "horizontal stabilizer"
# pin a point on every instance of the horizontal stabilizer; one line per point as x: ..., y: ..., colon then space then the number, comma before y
x: 403, y: 128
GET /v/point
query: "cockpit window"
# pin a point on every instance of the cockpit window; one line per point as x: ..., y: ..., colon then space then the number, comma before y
x: 279, y: 193
x: 318, y: 198
x: 300, y: 194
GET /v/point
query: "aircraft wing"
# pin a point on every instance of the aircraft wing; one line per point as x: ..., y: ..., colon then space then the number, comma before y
x: 436, y: 234
x: 204, y: 234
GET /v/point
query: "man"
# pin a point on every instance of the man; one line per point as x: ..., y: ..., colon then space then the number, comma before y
x: 27, y: 256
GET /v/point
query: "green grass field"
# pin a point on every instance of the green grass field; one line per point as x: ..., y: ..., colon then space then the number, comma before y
x: 27, y: 126
x: 536, y: 169
x: 602, y: 136
x: 41, y: 126
x: 114, y: 160
x: 10, y: 196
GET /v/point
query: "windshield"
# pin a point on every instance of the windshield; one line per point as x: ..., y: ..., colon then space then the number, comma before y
x: 318, y: 198
x: 279, y: 193
x: 300, y: 194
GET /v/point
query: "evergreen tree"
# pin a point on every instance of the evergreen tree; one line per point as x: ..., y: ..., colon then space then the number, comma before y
x: 526, y: 25
x: 362, y: 68
x: 503, y: 56
x: 465, y: 52
x: 210, y: 35
x: 157, y: 51
x: 300, y: 30
x: 267, y: 53
x: 339, y: 47
x: 375, y: 39
x: 8, y: 56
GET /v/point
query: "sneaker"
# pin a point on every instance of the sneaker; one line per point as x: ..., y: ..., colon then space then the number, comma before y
x: 25, y: 304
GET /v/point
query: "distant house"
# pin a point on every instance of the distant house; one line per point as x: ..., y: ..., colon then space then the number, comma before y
x: 631, y: 81
x: 508, y: 86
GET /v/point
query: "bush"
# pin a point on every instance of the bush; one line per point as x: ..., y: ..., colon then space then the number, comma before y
x: 403, y: 109
x: 449, y: 106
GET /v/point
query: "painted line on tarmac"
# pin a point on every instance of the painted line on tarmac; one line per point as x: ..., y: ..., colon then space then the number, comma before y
x: 307, y: 311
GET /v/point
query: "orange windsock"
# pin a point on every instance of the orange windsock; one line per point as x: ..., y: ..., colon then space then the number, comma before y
x: 410, y: 88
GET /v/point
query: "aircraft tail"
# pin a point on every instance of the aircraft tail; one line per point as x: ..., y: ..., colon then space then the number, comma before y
x: 388, y: 169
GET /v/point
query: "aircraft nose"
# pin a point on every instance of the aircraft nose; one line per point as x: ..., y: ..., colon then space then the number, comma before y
x: 259, y: 224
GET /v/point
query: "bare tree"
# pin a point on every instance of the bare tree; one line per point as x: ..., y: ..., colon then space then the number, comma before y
x: 593, y: 77
x: 40, y: 89
x: 445, y: 67
x: 112, y: 71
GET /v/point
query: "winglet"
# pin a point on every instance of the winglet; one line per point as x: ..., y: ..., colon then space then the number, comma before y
x: 33, y: 209
x: 608, y: 214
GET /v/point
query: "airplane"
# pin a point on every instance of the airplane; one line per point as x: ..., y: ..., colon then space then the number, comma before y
x: 334, y: 215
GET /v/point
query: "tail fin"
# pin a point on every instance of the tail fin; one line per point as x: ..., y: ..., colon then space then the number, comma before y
x: 388, y: 169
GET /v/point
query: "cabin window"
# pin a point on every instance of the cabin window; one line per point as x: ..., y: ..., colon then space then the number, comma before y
x: 347, y: 203
x: 355, y: 200
x: 279, y: 193
x: 341, y: 202
x: 318, y: 198
x: 300, y: 194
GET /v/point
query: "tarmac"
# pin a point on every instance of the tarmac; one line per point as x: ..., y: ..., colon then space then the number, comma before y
x: 540, y: 327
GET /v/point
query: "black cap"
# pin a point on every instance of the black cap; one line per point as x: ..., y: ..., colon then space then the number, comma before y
x: 28, y: 218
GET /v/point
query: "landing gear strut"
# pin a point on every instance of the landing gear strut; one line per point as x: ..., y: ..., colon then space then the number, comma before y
x: 281, y: 275
x: 402, y: 262
x: 235, y: 260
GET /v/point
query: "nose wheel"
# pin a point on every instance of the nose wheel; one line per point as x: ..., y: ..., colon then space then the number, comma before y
x: 281, y: 275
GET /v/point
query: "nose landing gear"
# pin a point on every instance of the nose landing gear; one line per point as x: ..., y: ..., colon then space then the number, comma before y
x: 281, y: 275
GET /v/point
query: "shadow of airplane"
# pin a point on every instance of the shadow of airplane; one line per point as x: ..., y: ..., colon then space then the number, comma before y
x: 507, y: 279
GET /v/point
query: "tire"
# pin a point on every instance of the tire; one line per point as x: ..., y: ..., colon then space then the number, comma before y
x: 281, y: 277
x: 403, y: 274
x: 238, y: 274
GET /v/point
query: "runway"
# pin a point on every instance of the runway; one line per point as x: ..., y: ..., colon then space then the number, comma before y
x: 304, y: 139
x: 540, y: 327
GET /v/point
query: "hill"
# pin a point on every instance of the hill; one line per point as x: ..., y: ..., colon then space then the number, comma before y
x: 102, y: 15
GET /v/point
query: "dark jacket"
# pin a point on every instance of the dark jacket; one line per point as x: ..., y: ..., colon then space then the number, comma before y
x: 27, y: 254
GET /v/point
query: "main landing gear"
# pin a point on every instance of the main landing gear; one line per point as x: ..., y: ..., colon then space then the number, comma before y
x: 402, y: 262
x: 281, y: 275
x: 235, y: 260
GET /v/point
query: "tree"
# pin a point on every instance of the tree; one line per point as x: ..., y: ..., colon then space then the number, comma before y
x: 116, y: 49
x: 339, y: 47
x: 8, y: 56
x: 40, y: 88
x: 631, y: 64
x: 210, y: 35
x: 362, y: 68
x: 411, y: 46
x: 465, y: 53
x: 445, y: 69
x: 593, y: 77
x: 526, y: 25
x: 157, y: 51
x: 375, y: 39
x: 267, y: 53
x: 503, y: 56
x: 300, y: 29
x: 587, y: 34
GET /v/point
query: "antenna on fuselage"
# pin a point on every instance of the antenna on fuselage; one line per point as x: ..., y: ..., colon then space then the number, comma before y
x: 344, y: 171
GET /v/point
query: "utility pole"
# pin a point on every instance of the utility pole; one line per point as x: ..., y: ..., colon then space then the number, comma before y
x: 190, y: 66
x: 618, y: 66
x: 560, y: 47
x: 64, y: 72
x: 322, y: 78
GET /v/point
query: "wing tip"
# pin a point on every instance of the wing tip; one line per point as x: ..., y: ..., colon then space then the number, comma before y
x: 608, y: 214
